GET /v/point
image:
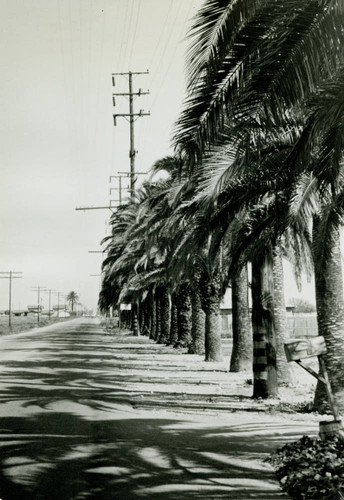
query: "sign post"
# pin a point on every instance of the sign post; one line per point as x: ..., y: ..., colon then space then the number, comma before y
x: 298, y: 349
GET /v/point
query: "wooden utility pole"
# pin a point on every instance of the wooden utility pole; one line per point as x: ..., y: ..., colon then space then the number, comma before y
x: 59, y: 294
x: 10, y: 275
x: 49, y: 291
x: 39, y: 289
x: 132, y: 116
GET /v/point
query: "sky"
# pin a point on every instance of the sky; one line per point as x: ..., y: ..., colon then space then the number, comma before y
x: 59, y: 145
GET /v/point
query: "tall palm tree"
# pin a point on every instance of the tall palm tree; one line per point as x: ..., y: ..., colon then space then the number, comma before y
x: 72, y: 299
x: 252, y: 66
x: 322, y: 146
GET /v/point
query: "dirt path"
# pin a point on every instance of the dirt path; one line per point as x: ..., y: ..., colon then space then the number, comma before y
x: 86, y: 414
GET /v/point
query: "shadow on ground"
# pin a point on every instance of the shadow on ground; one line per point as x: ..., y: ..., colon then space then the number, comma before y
x: 63, y: 456
x: 68, y: 431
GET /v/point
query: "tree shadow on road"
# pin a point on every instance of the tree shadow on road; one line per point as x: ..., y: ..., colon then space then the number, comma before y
x: 68, y: 430
x: 54, y: 456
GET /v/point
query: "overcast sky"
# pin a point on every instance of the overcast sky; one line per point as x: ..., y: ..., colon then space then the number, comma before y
x: 58, y: 142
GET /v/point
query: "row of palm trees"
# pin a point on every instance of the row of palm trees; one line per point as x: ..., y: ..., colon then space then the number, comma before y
x: 257, y: 176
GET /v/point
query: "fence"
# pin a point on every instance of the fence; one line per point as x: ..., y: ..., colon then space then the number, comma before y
x: 299, y: 325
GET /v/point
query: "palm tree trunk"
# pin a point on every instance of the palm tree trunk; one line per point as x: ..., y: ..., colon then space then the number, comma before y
x: 242, y: 352
x: 197, y: 345
x: 284, y: 375
x: 140, y: 315
x: 211, y: 298
x: 165, y: 315
x: 158, y: 314
x: 330, y: 316
x: 146, y: 315
x: 135, y: 320
x: 183, y: 316
x: 264, y: 341
x: 152, y: 333
x: 213, y: 341
x: 174, y: 321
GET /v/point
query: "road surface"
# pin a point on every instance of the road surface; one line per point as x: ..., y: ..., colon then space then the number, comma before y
x: 85, y: 414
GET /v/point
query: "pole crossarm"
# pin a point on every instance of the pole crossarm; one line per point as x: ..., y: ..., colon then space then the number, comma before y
x: 141, y: 113
x: 127, y: 94
x: 136, y: 173
x: 9, y: 277
x: 10, y: 273
x: 132, y: 73
x: 94, y: 208
x: 130, y: 115
x: 128, y: 73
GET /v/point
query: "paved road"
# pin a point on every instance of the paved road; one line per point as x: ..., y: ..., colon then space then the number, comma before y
x: 85, y: 415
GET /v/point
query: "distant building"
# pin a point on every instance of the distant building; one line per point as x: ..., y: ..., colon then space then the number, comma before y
x: 60, y: 307
x: 35, y: 308
x: 20, y: 312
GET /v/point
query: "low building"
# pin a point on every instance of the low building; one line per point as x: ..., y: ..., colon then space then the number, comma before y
x: 20, y: 312
x: 35, y: 308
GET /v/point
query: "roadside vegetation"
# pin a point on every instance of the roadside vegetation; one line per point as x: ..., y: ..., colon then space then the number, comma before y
x: 311, y: 468
x: 24, y: 323
x: 257, y: 177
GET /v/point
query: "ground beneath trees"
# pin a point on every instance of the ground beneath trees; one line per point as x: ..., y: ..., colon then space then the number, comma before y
x: 87, y: 413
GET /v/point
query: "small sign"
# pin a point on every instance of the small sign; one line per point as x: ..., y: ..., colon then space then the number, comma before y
x: 125, y: 307
x: 298, y: 349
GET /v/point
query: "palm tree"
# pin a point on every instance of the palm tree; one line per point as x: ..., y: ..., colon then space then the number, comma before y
x: 252, y: 65
x: 252, y: 211
x: 321, y: 145
x: 72, y: 299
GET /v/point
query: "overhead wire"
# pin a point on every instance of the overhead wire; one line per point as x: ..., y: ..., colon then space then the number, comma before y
x: 117, y: 67
x: 134, y: 33
x: 176, y: 35
x: 161, y: 60
x: 123, y: 55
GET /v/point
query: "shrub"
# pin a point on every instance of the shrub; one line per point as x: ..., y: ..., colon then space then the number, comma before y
x: 311, y: 468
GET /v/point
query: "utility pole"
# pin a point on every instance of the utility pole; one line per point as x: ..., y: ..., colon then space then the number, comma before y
x: 10, y: 275
x: 49, y: 291
x: 132, y: 117
x: 39, y: 289
x: 59, y: 294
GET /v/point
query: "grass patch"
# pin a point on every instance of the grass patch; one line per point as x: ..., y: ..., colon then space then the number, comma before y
x: 24, y: 323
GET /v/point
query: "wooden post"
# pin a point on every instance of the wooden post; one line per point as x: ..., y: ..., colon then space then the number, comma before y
x: 298, y: 349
